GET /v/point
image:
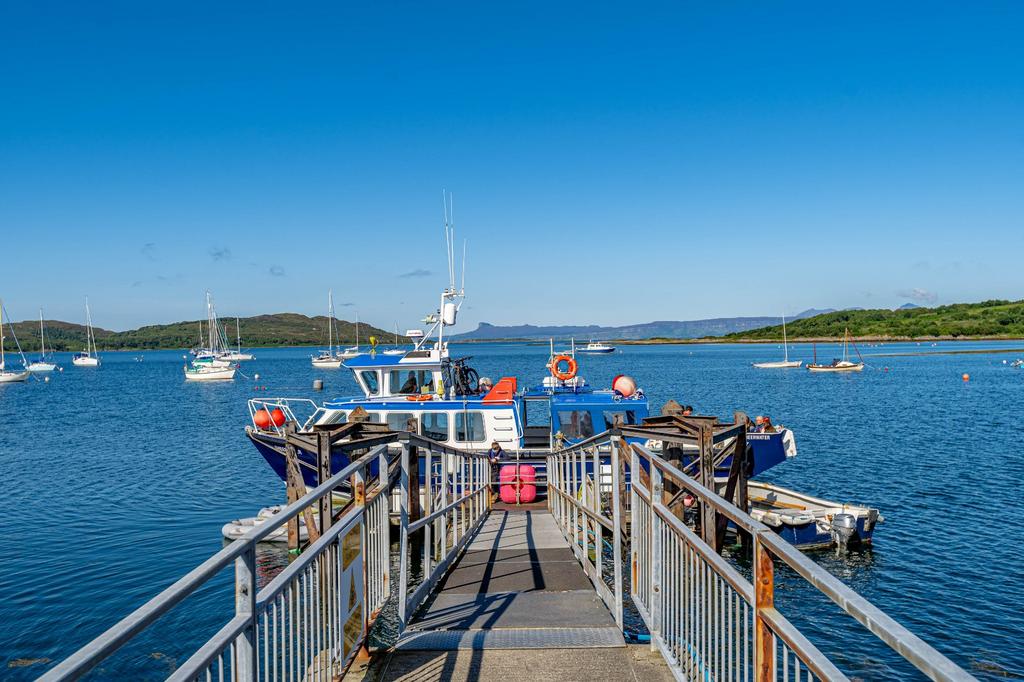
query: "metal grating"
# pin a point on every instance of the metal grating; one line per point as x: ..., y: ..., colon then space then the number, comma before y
x: 511, y: 638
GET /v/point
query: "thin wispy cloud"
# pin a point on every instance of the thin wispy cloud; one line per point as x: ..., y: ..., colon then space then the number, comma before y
x: 149, y: 251
x: 418, y: 272
x: 276, y: 271
x: 346, y: 305
x: 220, y: 253
x: 919, y: 295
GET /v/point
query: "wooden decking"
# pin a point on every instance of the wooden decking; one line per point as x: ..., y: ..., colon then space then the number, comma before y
x: 517, y: 602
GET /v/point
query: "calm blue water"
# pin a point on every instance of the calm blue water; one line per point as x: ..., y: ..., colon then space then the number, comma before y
x: 119, y: 479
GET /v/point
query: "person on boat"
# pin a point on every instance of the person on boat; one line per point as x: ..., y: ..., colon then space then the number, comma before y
x: 484, y: 385
x: 687, y: 410
x: 496, y: 454
x: 758, y: 424
x: 767, y: 426
x: 410, y: 384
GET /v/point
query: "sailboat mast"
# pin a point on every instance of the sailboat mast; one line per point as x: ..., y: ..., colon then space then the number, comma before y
x: 42, y: 337
x: 238, y: 335
x: 330, y: 321
x: 209, y: 320
x: 3, y: 363
x: 785, y: 342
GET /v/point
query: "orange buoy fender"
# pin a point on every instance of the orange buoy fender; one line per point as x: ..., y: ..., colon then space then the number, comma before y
x: 569, y: 372
x: 261, y: 418
x: 278, y: 417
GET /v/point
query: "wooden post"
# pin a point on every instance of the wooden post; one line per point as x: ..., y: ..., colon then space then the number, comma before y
x: 296, y: 490
x: 323, y: 475
x: 764, y: 598
x: 708, y: 516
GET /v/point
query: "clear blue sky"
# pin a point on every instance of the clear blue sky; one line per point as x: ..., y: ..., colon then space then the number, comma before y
x: 672, y: 162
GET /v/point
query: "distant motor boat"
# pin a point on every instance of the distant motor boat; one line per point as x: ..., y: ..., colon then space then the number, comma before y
x: 209, y: 373
x: 349, y: 353
x: 810, y: 522
x: 89, y: 357
x: 593, y: 348
x: 785, y: 362
x: 394, y: 351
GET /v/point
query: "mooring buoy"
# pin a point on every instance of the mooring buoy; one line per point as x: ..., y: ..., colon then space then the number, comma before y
x: 318, y: 384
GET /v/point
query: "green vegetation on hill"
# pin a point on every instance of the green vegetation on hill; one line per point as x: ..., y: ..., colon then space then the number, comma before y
x: 962, y: 320
x: 282, y: 329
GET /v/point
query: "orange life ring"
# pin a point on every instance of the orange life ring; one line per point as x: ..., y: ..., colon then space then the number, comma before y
x: 570, y: 371
x: 419, y: 398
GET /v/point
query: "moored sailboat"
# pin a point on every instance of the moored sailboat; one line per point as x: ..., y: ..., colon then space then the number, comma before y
x: 43, y: 364
x: 236, y: 355
x: 89, y: 357
x: 328, y: 359
x: 843, y: 365
x: 209, y: 364
x: 9, y: 376
x: 785, y: 362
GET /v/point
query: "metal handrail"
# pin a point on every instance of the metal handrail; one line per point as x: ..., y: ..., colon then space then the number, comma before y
x: 101, y: 647
x: 767, y: 621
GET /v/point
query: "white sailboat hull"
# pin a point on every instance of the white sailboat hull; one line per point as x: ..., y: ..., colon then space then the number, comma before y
x: 848, y: 367
x: 332, y: 363
x: 86, y: 362
x: 778, y: 365
x: 12, y: 377
x: 41, y: 367
x: 209, y: 374
x: 237, y: 357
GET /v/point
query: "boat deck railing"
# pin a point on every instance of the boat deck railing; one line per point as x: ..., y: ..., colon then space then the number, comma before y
x: 705, y: 617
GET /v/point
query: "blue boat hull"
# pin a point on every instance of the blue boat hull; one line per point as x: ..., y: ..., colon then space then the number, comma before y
x: 809, y: 536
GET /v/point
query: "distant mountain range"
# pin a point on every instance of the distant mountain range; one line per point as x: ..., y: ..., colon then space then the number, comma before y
x: 667, y: 329
x: 281, y: 329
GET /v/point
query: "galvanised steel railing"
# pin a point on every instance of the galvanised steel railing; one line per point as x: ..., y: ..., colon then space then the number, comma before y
x: 575, y: 500
x: 708, y: 621
x: 310, y: 620
x: 455, y: 500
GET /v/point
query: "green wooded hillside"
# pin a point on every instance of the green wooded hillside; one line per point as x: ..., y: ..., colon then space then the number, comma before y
x: 961, y: 320
x: 281, y: 329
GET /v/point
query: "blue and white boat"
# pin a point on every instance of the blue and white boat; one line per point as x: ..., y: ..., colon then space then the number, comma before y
x: 447, y: 402
x: 596, y: 348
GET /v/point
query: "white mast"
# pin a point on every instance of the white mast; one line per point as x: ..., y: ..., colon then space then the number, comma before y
x: 785, y: 342
x: 3, y: 362
x: 90, y: 339
x: 42, y: 337
x: 330, y: 322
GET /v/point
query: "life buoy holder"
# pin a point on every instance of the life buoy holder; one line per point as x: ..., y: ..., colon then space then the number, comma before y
x: 419, y: 398
x: 570, y: 370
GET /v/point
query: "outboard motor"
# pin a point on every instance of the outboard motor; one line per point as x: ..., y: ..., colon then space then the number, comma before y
x: 844, y: 527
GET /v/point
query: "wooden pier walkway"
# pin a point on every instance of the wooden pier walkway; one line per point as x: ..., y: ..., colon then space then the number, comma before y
x: 517, y: 604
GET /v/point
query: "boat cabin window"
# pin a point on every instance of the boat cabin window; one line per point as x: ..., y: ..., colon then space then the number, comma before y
x: 576, y: 424
x: 370, y: 380
x: 338, y: 417
x: 411, y: 381
x: 469, y: 427
x: 434, y: 425
x: 627, y: 418
x: 399, y: 421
